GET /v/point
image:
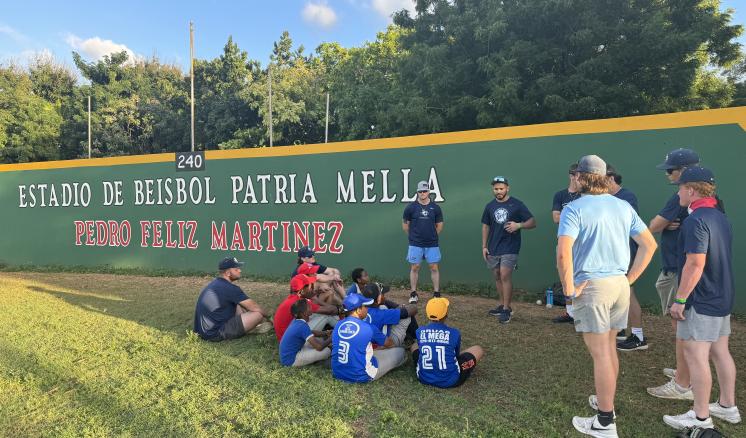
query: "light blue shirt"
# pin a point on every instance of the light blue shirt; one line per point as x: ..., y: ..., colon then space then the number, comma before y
x: 601, y: 226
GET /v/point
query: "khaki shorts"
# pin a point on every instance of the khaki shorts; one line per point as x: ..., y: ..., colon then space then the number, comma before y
x: 666, y: 285
x: 704, y: 328
x: 603, y: 305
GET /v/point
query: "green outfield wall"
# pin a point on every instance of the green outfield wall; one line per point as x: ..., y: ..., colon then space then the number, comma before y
x: 346, y: 199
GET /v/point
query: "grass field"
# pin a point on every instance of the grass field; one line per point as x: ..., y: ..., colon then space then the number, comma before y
x: 108, y: 355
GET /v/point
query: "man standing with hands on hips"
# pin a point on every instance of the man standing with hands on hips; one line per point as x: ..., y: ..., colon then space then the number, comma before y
x: 423, y: 222
x: 592, y: 260
x: 704, y: 300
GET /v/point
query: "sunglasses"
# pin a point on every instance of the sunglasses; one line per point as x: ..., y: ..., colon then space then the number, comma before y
x: 573, y: 173
x: 670, y: 171
x: 423, y: 191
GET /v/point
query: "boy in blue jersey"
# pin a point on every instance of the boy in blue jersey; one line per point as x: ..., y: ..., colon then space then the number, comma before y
x: 703, y: 301
x: 299, y: 345
x: 353, y: 359
x: 437, y: 352
x: 396, y: 323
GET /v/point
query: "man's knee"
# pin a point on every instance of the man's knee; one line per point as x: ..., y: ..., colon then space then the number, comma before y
x: 414, y: 268
x: 434, y: 267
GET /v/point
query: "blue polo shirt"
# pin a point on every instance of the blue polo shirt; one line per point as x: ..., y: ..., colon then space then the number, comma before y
x: 422, y: 220
x: 495, y: 215
x: 708, y: 231
x: 601, y: 226
x: 439, y: 349
x: 352, y: 350
x: 295, y: 337
x: 672, y: 211
x: 215, y: 306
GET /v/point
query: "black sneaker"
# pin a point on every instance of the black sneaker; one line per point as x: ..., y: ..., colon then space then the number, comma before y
x: 413, y: 297
x: 565, y: 317
x: 632, y: 343
x: 496, y: 311
x: 621, y: 335
x: 436, y: 294
x: 504, y: 316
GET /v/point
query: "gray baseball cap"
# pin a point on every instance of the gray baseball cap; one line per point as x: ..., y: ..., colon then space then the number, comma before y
x: 423, y: 186
x: 592, y: 164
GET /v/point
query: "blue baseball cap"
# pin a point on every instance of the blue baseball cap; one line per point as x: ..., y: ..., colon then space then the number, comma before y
x: 696, y: 174
x: 228, y: 263
x: 679, y: 158
x: 305, y: 252
x: 354, y: 301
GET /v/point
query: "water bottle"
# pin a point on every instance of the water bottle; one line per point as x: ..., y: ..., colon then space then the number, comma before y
x: 550, y: 298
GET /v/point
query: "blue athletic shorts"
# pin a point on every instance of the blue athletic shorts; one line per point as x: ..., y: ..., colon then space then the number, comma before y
x: 415, y: 254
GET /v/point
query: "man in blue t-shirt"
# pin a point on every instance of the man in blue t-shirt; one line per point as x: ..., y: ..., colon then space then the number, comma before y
x: 423, y: 222
x: 592, y: 260
x: 396, y: 322
x: 223, y: 310
x: 560, y: 200
x: 437, y: 351
x: 301, y: 346
x: 704, y: 301
x: 353, y: 358
x: 502, y: 221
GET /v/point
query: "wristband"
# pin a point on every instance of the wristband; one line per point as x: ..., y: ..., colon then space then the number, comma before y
x: 520, y: 225
x: 679, y: 300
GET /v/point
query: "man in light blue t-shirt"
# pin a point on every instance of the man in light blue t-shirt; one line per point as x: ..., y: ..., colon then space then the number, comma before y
x: 592, y: 259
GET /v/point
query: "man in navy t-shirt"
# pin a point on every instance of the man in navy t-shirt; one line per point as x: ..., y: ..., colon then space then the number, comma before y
x: 224, y: 311
x: 704, y: 300
x: 423, y: 222
x: 437, y: 351
x: 560, y: 200
x: 353, y: 358
x: 502, y: 221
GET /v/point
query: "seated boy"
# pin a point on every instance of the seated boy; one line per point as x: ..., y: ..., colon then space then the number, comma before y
x: 439, y: 362
x: 395, y: 323
x: 299, y: 345
x: 353, y: 359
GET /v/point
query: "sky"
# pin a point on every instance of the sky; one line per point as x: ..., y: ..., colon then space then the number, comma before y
x: 148, y: 28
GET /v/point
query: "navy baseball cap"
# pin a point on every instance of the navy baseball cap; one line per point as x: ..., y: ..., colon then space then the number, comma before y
x: 373, y: 290
x: 228, y: 263
x: 592, y: 164
x: 679, y: 158
x: 696, y: 174
x: 500, y: 179
x: 305, y: 252
x: 354, y: 301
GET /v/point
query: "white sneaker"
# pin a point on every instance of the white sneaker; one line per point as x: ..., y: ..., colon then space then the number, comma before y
x: 591, y: 426
x: 593, y: 403
x: 731, y: 414
x: 686, y: 420
x: 669, y: 372
x: 262, y: 328
x: 671, y: 391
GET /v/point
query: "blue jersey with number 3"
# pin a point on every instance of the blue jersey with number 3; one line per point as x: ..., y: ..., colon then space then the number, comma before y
x: 439, y: 350
x: 352, y: 350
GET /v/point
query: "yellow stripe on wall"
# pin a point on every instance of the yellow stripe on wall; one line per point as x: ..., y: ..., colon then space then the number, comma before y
x: 724, y: 116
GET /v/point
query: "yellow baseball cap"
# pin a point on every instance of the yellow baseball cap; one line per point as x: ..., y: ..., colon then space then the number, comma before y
x: 437, y: 308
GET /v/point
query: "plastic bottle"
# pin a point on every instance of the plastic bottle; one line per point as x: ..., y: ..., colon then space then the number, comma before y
x: 550, y: 298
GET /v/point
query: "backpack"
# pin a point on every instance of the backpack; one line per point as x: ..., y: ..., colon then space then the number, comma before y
x: 698, y: 432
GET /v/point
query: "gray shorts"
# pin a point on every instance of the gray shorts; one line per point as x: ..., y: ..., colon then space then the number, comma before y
x: 603, y: 305
x: 502, y: 261
x: 308, y: 355
x: 704, y: 328
x: 666, y: 286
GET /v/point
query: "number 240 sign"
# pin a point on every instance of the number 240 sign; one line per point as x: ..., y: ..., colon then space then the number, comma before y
x: 190, y: 161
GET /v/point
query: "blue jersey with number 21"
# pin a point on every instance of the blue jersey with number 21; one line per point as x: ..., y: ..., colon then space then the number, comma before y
x: 352, y: 350
x: 439, y: 350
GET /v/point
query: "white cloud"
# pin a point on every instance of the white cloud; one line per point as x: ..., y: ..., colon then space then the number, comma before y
x: 387, y: 7
x: 319, y: 14
x: 13, y: 34
x: 96, y: 48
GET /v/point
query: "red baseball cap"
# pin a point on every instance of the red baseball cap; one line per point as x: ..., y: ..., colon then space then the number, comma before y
x: 308, y: 269
x: 300, y: 281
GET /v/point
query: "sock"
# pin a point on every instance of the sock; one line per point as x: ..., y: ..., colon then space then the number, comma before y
x: 723, y: 406
x: 568, y: 309
x: 414, y: 292
x: 700, y: 419
x: 637, y: 331
x: 605, y: 418
x: 680, y: 388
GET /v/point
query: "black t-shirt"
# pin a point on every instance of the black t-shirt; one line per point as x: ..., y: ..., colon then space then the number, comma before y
x: 422, y: 220
x: 495, y: 215
x: 562, y: 198
x: 708, y: 231
x: 215, y: 306
x: 672, y: 211
x: 627, y: 195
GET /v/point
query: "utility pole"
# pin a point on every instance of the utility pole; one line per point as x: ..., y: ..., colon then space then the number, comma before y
x: 270, y: 104
x: 191, y: 73
x: 89, y: 126
x: 326, y: 130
